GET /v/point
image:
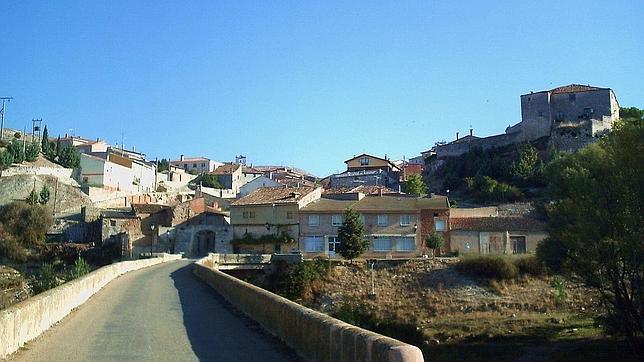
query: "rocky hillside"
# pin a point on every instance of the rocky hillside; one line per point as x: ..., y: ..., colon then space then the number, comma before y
x: 69, y: 198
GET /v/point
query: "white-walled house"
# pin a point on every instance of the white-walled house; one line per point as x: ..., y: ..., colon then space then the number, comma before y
x: 116, y: 173
x: 256, y: 183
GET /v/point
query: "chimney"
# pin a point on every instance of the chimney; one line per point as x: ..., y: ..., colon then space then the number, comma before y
x: 457, y: 136
x: 97, y: 139
x: 133, y: 148
x: 471, y: 131
x: 380, y: 191
x: 386, y: 157
x: 181, y: 157
x: 66, y: 135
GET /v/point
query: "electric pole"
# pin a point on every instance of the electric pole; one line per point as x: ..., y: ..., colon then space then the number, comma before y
x: 2, y: 112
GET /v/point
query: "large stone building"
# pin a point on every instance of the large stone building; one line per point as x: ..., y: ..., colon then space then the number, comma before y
x: 571, y: 116
x: 367, y: 170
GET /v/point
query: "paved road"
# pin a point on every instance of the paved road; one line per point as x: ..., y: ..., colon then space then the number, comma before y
x: 161, y: 313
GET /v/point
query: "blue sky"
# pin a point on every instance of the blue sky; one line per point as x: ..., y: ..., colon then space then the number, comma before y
x: 302, y: 83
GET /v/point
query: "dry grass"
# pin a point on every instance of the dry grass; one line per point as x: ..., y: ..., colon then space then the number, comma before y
x: 454, y: 310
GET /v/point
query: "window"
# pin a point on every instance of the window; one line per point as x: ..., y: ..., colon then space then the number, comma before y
x: 334, y: 244
x: 203, y: 165
x: 313, y: 244
x: 381, y: 244
x: 405, y: 244
x: 194, y: 165
x: 289, y: 215
x: 382, y: 220
x: 364, y: 161
x: 112, y: 222
x: 251, y: 214
x: 361, y: 217
x: 245, y: 214
x: 439, y: 225
x: 336, y: 220
x: 405, y: 220
x: 314, y: 220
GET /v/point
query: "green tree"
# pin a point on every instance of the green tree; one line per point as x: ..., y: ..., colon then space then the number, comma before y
x: 44, y: 142
x: 351, y: 236
x: 526, y: 168
x: 81, y: 267
x: 164, y: 165
x: 435, y: 241
x: 632, y: 112
x: 22, y: 227
x: 32, y: 199
x: 6, y: 159
x: 210, y: 180
x: 69, y: 157
x: 51, y: 151
x: 32, y: 150
x: 414, y: 185
x: 16, y: 150
x: 59, y: 147
x: 596, y: 222
x: 44, y: 195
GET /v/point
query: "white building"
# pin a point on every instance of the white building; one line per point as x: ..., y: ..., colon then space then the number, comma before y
x: 196, y: 164
x: 261, y: 181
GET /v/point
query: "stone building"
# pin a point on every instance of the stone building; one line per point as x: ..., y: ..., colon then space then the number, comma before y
x: 270, y: 212
x: 496, y: 235
x: 571, y: 116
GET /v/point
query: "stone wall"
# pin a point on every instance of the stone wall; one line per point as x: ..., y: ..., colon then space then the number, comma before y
x: 485, y: 143
x: 313, y: 335
x: 26, y: 320
x: 63, y: 174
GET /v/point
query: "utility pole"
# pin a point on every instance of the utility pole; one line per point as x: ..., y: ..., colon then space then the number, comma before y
x: 36, y: 128
x: 2, y: 112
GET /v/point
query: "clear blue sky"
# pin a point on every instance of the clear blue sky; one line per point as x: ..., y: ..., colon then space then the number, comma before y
x: 304, y: 84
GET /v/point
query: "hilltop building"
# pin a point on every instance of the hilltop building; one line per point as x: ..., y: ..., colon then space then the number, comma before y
x: 571, y: 117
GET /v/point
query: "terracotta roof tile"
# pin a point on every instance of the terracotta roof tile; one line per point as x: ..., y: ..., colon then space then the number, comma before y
x: 272, y: 195
x: 574, y: 88
x: 496, y: 224
x: 227, y: 168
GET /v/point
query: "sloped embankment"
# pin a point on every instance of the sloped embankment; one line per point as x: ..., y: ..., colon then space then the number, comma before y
x: 68, y: 198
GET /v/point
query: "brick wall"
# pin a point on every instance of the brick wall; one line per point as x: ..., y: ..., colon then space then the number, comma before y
x: 427, y: 217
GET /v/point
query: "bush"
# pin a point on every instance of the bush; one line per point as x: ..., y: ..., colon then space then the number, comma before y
x: 530, y: 265
x: 22, y: 227
x: 295, y: 280
x: 46, y: 279
x: 359, y: 315
x: 81, y: 267
x: 490, y: 267
x: 210, y: 180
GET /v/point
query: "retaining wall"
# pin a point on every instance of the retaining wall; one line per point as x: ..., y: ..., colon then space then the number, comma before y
x: 25, y: 321
x: 314, y: 335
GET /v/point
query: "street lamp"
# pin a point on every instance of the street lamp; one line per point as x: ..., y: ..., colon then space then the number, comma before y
x: 152, y: 226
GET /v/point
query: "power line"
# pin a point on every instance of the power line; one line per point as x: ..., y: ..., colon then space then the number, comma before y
x: 2, y: 112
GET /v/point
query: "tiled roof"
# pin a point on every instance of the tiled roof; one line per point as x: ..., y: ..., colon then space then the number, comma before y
x: 227, y: 168
x: 331, y: 205
x: 272, y: 195
x: 400, y: 203
x: 392, y: 203
x: 497, y: 224
x: 191, y: 159
x: 148, y: 208
x: 246, y: 169
x: 367, y: 190
x: 118, y: 214
x: 574, y: 88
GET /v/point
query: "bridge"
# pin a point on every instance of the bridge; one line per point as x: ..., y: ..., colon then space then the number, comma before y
x: 171, y: 309
x: 160, y: 313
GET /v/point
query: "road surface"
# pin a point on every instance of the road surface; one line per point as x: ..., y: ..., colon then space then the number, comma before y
x: 161, y: 313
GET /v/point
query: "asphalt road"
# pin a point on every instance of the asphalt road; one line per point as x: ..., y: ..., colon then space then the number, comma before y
x: 161, y: 313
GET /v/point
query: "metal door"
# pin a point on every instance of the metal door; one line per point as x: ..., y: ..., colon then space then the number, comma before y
x: 484, y: 243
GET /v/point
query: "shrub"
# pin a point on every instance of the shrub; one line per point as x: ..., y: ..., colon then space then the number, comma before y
x: 81, y: 267
x: 295, y: 280
x: 489, y: 267
x: 359, y: 315
x: 46, y: 279
x: 530, y: 265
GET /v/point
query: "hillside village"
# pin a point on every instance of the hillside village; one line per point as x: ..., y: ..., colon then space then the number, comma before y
x: 195, y: 205
x: 127, y: 205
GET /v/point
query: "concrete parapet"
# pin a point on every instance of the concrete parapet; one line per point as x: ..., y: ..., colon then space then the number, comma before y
x: 25, y: 321
x: 314, y: 335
